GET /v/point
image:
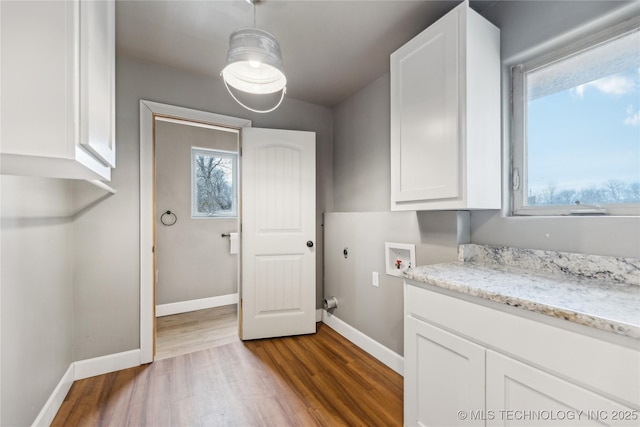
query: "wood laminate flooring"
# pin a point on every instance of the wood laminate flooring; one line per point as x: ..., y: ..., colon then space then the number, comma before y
x: 196, y: 330
x: 310, y: 380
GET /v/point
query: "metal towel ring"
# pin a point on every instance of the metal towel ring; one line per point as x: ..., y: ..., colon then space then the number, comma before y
x: 168, y: 222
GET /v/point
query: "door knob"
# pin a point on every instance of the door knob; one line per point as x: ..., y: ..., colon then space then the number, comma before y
x: 309, y: 244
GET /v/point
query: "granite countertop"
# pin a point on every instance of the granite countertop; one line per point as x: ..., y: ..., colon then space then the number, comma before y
x: 601, y: 292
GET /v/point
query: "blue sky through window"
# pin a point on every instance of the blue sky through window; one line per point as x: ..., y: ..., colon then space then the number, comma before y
x: 584, y: 137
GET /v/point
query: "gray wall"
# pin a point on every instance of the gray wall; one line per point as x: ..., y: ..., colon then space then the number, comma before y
x: 193, y: 261
x: 37, y: 293
x: 363, y: 221
x: 361, y: 186
x: 526, y: 28
x: 361, y: 149
x: 378, y: 311
x: 107, y: 237
x: 76, y: 284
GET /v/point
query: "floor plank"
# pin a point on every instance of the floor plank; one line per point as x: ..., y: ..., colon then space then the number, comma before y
x: 196, y: 330
x: 312, y: 380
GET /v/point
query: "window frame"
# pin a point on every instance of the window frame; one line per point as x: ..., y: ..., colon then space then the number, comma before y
x: 233, y: 213
x: 518, y: 118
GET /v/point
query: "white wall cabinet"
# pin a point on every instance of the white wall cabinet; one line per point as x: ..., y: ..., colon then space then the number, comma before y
x: 469, y: 364
x: 445, y: 116
x: 58, y: 88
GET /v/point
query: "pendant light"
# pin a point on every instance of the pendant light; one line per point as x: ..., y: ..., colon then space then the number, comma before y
x: 254, y: 65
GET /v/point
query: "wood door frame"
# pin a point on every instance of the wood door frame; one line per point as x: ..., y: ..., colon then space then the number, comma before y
x: 148, y: 111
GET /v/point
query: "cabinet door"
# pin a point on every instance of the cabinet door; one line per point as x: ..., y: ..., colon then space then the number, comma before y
x: 97, y: 79
x: 521, y: 395
x: 425, y: 160
x: 38, y: 79
x: 444, y: 374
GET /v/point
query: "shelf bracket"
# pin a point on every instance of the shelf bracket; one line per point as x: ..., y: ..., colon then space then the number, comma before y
x: 102, y: 185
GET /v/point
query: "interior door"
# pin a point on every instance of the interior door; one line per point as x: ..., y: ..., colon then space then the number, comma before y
x: 278, y: 283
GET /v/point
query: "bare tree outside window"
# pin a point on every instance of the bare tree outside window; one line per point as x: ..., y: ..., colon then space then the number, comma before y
x: 214, y: 183
x: 611, y: 191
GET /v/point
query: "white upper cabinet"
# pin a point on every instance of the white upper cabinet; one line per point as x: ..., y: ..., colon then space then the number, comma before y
x: 58, y: 88
x: 97, y: 79
x: 445, y: 116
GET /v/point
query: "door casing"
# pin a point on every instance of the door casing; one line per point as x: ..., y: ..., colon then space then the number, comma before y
x: 148, y: 111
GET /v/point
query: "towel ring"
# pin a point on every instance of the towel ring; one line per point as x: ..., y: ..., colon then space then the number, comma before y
x: 168, y: 221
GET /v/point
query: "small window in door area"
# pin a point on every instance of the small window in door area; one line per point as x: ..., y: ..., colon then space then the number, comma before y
x: 214, y: 183
x: 576, y: 125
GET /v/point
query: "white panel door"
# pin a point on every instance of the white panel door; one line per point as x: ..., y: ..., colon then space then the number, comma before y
x: 278, y: 233
x: 443, y: 374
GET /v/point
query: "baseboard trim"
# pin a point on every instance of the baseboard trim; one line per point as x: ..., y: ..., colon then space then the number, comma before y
x: 105, y: 364
x: 195, y: 304
x: 51, y: 407
x: 390, y: 358
x: 128, y: 359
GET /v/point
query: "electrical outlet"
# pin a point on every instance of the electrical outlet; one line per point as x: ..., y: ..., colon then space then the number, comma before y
x: 375, y: 279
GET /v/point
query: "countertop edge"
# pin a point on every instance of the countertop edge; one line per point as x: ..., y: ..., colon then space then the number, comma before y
x: 577, y: 317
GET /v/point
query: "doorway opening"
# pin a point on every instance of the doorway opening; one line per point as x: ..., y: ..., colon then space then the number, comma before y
x: 196, y: 230
x: 156, y: 118
x: 277, y: 275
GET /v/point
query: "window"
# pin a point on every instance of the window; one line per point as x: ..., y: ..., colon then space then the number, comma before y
x: 214, y: 188
x: 576, y: 128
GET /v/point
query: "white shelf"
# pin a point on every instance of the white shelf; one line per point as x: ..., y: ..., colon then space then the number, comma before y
x: 102, y: 185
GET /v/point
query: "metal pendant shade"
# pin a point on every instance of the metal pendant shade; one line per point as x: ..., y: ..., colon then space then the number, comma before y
x: 254, y: 66
x: 254, y: 62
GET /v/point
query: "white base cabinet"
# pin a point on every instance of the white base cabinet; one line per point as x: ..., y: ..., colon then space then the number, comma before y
x: 521, y: 395
x: 467, y: 363
x: 447, y: 373
x: 58, y: 88
x: 445, y: 116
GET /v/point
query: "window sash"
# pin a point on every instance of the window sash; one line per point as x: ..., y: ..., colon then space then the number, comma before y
x: 518, y: 119
x: 233, y: 212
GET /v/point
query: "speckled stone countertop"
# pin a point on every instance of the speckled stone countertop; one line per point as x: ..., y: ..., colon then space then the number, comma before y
x: 601, y: 292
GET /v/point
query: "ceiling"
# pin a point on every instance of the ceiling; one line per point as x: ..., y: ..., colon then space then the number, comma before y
x: 331, y: 49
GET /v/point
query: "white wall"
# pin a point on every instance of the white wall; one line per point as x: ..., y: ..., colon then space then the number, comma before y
x: 192, y: 258
x: 37, y: 293
x: 107, y: 244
